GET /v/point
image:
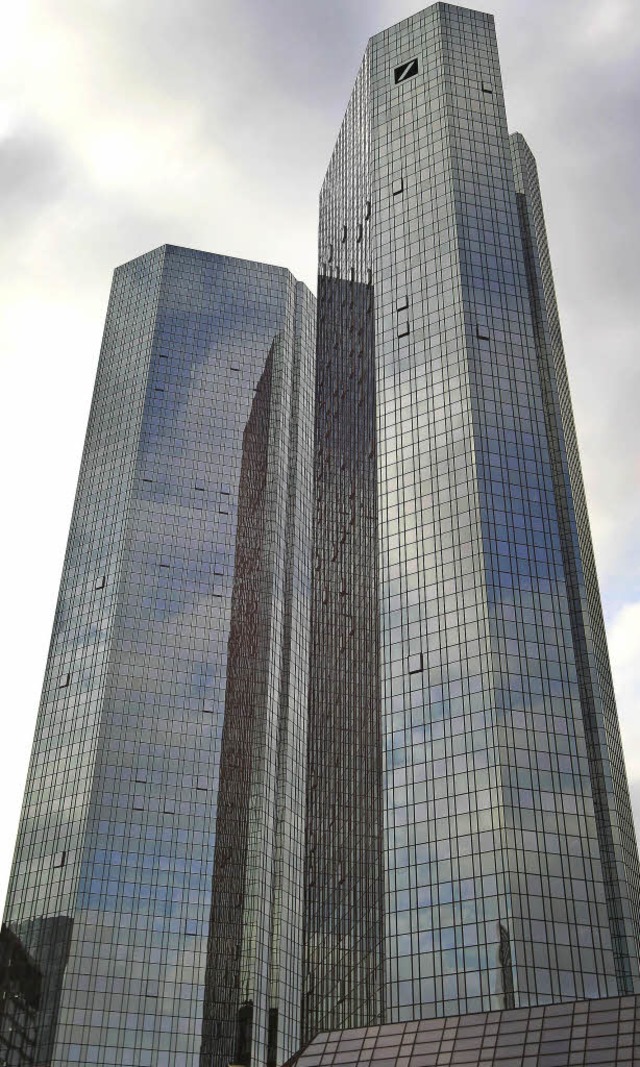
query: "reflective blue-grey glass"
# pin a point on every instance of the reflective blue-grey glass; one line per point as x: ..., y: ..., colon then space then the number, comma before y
x: 471, y: 844
x: 157, y: 880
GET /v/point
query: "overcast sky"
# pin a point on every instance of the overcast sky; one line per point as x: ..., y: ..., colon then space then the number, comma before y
x: 125, y: 124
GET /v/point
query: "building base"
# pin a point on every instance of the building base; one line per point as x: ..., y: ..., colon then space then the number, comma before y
x: 583, y: 1032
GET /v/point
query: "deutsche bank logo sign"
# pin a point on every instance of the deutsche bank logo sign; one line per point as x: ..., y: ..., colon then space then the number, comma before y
x: 405, y: 71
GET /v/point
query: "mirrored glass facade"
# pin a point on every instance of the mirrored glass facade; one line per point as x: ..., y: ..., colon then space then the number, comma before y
x: 20, y: 981
x: 447, y: 479
x: 157, y: 876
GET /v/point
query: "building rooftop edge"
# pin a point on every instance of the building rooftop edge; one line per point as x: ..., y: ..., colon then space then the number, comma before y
x: 430, y: 7
x: 221, y: 256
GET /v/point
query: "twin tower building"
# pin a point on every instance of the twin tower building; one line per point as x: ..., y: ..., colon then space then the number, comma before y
x: 328, y: 737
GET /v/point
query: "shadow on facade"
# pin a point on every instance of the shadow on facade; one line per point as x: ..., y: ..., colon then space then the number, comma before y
x: 228, y: 1016
x: 32, y: 967
x: 343, y: 909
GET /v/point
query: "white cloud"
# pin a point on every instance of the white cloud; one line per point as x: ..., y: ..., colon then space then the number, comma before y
x: 624, y: 650
x: 610, y: 28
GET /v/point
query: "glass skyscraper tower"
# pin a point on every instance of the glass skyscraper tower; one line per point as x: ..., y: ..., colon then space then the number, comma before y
x: 157, y: 875
x: 328, y: 736
x: 470, y: 841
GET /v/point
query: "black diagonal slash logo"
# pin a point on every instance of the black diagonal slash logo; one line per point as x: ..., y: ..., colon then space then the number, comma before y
x: 405, y: 71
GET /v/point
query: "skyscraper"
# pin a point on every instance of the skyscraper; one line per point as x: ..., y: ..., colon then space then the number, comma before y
x: 470, y: 842
x: 157, y: 875
x: 430, y: 690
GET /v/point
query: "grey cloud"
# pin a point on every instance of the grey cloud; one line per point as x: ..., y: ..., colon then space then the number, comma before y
x: 33, y: 174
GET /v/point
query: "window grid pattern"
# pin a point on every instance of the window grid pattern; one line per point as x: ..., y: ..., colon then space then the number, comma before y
x: 41, y: 893
x: 127, y: 930
x: 606, y: 761
x: 20, y: 981
x: 495, y: 895
x: 494, y: 892
x: 343, y: 966
x: 581, y: 1034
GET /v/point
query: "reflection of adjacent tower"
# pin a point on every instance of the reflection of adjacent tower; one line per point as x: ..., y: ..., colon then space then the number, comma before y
x: 112, y: 879
x: 510, y: 872
x: 20, y: 992
x: 344, y: 927
x: 228, y: 999
x: 253, y: 986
